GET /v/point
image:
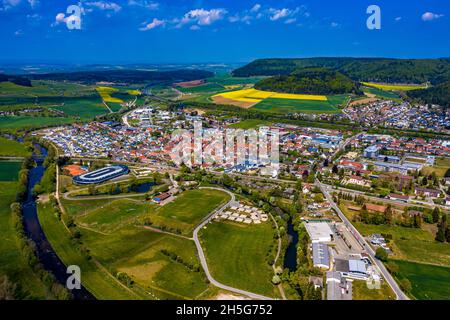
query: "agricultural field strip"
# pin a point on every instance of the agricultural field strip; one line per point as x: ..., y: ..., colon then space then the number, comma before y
x: 254, y: 96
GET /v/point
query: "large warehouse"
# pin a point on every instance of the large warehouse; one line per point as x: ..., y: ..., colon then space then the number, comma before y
x: 101, y: 175
x: 319, y: 232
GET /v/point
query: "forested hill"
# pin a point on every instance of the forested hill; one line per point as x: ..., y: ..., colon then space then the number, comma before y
x: 126, y: 76
x: 359, y: 69
x: 15, y: 79
x: 321, y: 81
x: 439, y: 94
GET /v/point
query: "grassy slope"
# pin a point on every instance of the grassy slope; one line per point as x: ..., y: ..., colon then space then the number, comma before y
x: 12, y: 262
x: 236, y: 255
x: 97, y: 281
x: 12, y: 148
x: 137, y: 252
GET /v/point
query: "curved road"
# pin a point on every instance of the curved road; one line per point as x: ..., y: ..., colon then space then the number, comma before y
x: 386, y: 275
x: 201, y: 254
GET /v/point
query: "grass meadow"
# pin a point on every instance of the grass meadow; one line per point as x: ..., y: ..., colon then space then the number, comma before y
x: 236, y: 255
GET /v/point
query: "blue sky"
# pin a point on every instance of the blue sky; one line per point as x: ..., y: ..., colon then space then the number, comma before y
x: 182, y: 31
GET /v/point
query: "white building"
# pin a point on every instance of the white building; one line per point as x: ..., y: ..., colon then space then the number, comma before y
x: 319, y: 232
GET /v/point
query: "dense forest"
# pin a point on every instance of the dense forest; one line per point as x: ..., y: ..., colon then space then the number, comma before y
x: 125, y: 76
x: 321, y: 81
x: 439, y: 94
x: 434, y: 71
x: 15, y: 79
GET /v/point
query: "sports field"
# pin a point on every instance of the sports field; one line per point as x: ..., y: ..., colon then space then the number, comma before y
x: 187, y: 210
x: 236, y: 255
x: 394, y: 87
x: 250, y: 124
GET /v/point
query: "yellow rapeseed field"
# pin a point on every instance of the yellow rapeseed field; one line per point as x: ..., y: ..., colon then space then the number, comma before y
x: 394, y: 87
x: 105, y: 93
x: 253, y: 95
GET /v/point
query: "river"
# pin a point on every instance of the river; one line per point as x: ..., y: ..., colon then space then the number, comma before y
x: 290, y: 256
x: 33, y: 230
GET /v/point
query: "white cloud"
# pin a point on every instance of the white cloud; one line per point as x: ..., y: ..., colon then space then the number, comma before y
x: 104, y: 5
x: 194, y: 27
x: 144, y: 3
x: 429, y: 16
x: 33, y: 3
x: 279, y: 13
x: 290, y: 21
x: 398, y: 18
x: 8, y: 4
x: 255, y: 8
x: 18, y: 33
x: 205, y: 17
x: 152, y: 25
x: 334, y: 24
x: 60, y: 17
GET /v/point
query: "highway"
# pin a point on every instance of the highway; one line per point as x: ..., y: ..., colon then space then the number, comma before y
x: 201, y: 254
x: 368, y: 249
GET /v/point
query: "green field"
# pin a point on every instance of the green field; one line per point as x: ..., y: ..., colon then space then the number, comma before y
x: 441, y: 166
x: 227, y: 80
x: 411, y: 243
x: 116, y: 238
x: 205, y: 88
x: 137, y: 252
x: 188, y: 209
x: 13, y: 148
x: 97, y: 281
x: 113, y: 214
x: 236, y: 255
x: 41, y: 88
x: 12, y: 262
x: 428, y: 282
x: 23, y: 122
x: 395, y: 87
x: 362, y: 292
x: 250, y: 124
x: 381, y: 93
x: 287, y: 106
x: 9, y: 170
x: 84, y: 108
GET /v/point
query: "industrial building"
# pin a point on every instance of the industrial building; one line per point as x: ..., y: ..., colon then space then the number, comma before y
x: 319, y: 232
x: 321, y: 256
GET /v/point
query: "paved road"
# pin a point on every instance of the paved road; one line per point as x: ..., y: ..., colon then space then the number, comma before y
x: 410, y: 203
x: 386, y: 275
x: 201, y: 254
